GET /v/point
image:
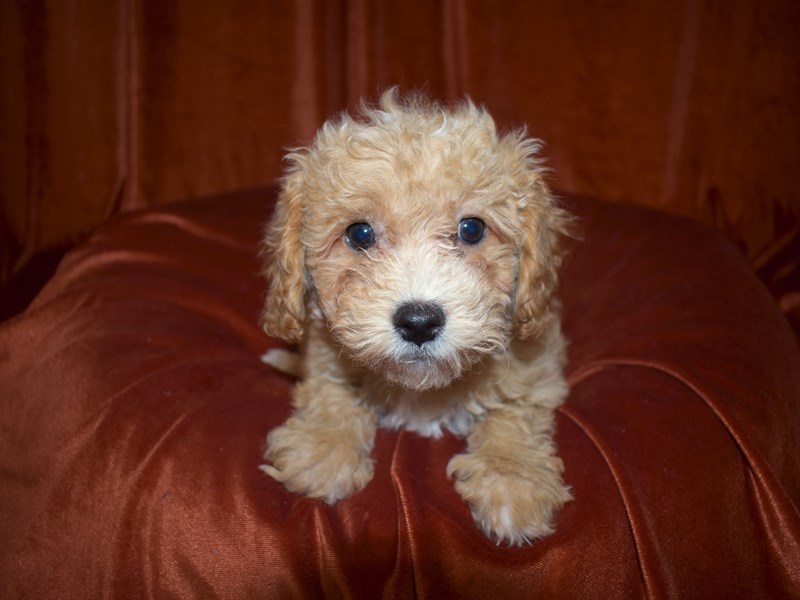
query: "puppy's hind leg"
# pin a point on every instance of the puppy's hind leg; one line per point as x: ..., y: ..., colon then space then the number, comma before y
x: 323, y: 450
x: 283, y: 360
x: 510, y: 475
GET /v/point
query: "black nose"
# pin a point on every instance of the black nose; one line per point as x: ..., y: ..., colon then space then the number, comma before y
x: 418, y: 322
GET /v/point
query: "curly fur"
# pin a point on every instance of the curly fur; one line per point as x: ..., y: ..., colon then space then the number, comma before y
x: 413, y: 169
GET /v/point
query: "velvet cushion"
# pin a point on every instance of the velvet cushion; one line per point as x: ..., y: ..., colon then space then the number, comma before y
x: 134, y: 412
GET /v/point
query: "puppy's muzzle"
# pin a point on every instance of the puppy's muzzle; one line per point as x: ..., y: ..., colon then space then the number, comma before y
x: 419, y: 322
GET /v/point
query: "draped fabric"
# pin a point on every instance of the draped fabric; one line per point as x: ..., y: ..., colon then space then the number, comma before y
x: 134, y: 412
x: 691, y: 107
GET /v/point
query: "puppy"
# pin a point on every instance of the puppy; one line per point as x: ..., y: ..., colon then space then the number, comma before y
x: 413, y: 255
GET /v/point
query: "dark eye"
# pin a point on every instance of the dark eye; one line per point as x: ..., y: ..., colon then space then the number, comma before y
x: 359, y: 236
x: 471, y: 230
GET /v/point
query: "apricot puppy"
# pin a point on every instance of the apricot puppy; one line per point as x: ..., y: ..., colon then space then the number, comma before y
x: 413, y: 255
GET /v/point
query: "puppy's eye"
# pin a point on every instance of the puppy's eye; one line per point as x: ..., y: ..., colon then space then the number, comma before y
x: 471, y: 230
x: 359, y: 236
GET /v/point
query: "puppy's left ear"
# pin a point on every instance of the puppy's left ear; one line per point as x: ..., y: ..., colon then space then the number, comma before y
x: 284, y: 308
x: 544, y: 224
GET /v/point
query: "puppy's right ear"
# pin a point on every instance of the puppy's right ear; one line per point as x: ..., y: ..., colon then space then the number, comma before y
x: 284, y: 308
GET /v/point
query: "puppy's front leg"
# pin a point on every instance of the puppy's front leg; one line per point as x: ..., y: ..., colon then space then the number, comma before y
x: 323, y: 450
x: 510, y: 475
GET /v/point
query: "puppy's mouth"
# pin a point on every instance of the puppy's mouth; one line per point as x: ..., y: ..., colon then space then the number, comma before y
x: 418, y: 350
x: 418, y: 358
x: 432, y: 365
x: 420, y: 371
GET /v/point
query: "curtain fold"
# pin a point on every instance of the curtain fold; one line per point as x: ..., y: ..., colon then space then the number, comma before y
x: 687, y: 107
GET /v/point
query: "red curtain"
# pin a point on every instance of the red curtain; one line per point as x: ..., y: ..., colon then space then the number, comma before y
x: 688, y: 107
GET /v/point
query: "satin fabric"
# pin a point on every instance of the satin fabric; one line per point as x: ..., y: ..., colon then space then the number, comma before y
x: 135, y: 408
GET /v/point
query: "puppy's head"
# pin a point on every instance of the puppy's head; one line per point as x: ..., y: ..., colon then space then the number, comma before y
x: 422, y: 237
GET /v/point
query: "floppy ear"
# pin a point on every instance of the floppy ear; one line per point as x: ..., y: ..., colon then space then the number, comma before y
x: 284, y: 308
x: 543, y: 226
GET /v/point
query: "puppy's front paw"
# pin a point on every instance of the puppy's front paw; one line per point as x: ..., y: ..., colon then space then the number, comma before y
x: 309, y: 460
x: 511, y: 501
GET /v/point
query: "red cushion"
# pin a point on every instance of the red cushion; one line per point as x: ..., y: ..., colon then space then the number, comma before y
x: 134, y: 412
